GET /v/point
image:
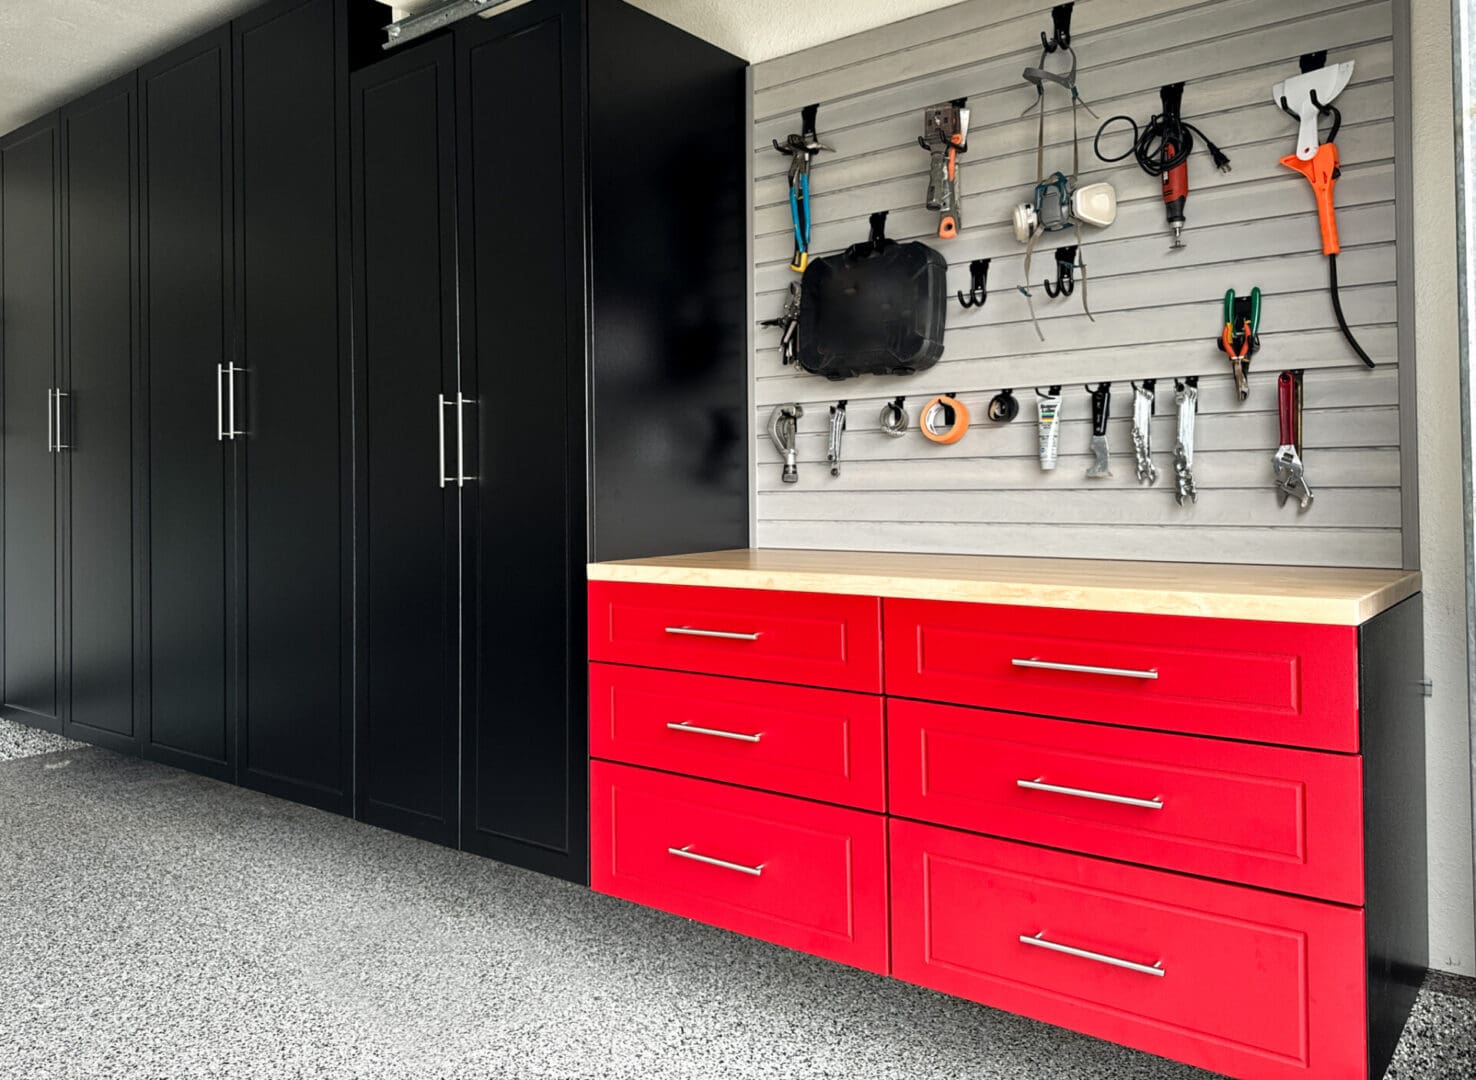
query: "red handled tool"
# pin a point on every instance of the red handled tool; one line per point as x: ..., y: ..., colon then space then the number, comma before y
x: 1291, y: 480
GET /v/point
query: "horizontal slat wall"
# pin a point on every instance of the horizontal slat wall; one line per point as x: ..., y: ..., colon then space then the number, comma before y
x: 1157, y: 313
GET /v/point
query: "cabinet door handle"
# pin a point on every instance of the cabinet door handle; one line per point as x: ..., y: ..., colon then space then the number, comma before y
x: 726, y: 635
x: 716, y: 733
x: 50, y: 422
x: 1083, y: 793
x: 1086, y: 669
x: 688, y: 853
x: 441, y: 440
x: 1039, y: 942
x: 461, y: 405
x: 60, y: 446
x: 219, y: 402
x: 231, y: 371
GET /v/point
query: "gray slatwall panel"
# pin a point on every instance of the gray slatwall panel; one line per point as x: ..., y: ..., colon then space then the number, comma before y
x: 1156, y: 313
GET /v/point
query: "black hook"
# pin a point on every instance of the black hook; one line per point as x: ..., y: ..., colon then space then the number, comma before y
x: 978, y: 284
x: 1324, y: 110
x: 1060, y: 29
x: 1055, y: 392
x: 1065, y: 283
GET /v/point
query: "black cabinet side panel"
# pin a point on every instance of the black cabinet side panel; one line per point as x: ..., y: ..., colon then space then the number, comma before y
x: 97, y: 416
x: 29, y: 335
x: 669, y: 281
x: 405, y: 365
x: 522, y: 222
x: 1391, y: 655
x: 291, y: 99
x: 185, y: 162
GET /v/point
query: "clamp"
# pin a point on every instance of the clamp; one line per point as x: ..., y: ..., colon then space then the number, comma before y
x: 1241, y: 337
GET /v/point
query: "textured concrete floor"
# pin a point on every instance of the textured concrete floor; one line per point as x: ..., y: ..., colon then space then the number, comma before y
x: 155, y: 924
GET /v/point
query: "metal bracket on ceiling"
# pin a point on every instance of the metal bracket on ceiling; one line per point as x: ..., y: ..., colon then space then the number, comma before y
x: 425, y: 22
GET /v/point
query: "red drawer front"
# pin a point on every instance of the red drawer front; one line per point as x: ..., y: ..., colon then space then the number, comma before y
x: 805, y: 875
x: 818, y: 744
x: 1290, y: 820
x: 806, y: 638
x: 1253, y: 983
x: 1262, y: 682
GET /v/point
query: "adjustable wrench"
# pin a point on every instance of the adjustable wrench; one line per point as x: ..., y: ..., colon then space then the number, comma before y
x: 1143, y: 431
x: 837, y: 429
x: 1186, y: 396
x: 1101, y: 467
x: 784, y: 433
x: 1291, y: 480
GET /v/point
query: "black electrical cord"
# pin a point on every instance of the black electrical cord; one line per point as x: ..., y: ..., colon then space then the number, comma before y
x: 1151, y: 145
x: 1332, y: 273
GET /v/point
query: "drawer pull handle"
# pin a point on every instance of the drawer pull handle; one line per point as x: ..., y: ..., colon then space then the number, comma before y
x: 1039, y: 942
x: 1083, y: 793
x: 688, y: 853
x: 726, y: 635
x: 736, y: 736
x: 1086, y: 669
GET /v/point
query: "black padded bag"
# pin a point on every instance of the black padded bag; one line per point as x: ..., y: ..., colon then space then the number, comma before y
x: 876, y: 309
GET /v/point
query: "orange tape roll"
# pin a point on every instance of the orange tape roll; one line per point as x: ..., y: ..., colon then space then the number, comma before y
x: 932, y: 417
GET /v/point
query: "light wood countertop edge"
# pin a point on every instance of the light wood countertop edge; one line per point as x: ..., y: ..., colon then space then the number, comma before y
x: 1346, y: 607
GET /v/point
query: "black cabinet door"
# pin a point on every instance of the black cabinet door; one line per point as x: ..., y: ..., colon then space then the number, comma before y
x: 405, y: 368
x: 522, y: 235
x: 99, y: 219
x: 30, y: 335
x: 185, y: 255
x: 292, y: 212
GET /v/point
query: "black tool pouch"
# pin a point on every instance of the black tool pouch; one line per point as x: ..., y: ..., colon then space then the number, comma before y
x: 876, y: 309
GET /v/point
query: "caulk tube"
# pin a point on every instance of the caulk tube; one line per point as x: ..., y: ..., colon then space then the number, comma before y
x: 1049, y: 408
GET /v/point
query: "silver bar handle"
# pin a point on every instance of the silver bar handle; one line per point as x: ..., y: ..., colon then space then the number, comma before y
x: 441, y: 430
x: 50, y: 422
x: 716, y: 733
x: 1084, y: 793
x: 60, y: 446
x: 723, y: 864
x: 231, y: 371
x: 1086, y: 669
x: 219, y: 403
x: 1039, y: 942
x: 461, y: 405
x: 726, y: 635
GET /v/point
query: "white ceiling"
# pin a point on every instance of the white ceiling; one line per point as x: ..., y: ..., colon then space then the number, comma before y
x: 53, y: 50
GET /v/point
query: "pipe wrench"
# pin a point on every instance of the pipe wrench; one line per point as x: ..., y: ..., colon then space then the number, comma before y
x: 837, y: 429
x: 1143, y: 431
x: 1186, y: 396
x: 784, y: 432
x: 1291, y: 479
x: 1101, y: 467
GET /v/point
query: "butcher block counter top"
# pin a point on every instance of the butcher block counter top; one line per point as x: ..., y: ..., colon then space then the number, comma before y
x: 1328, y: 596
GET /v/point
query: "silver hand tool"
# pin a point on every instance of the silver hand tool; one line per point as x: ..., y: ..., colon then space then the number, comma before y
x: 784, y: 433
x: 1143, y: 431
x: 1186, y: 396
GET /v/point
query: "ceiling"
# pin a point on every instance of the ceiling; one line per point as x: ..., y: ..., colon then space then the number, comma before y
x: 53, y: 50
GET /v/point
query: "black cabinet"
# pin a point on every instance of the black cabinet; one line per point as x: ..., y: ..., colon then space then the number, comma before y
x: 30, y: 349
x: 186, y: 313
x: 603, y: 341
x: 409, y: 472
x: 95, y: 415
x: 291, y: 134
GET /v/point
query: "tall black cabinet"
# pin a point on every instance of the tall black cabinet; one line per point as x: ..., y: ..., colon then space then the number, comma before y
x: 188, y: 452
x: 30, y: 467
x: 94, y: 428
x: 570, y: 388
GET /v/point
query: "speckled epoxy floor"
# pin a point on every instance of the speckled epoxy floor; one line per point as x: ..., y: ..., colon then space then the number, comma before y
x: 154, y: 924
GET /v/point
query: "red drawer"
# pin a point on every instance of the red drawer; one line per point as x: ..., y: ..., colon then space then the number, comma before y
x: 800, y: 874
x: 818, y: 744
x: 1234, y: 980
x: 806, y: 638
x: 1290, y: 820
x: 1262, y: 682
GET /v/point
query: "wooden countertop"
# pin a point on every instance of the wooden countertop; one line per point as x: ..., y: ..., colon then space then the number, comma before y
x: 1335, y: 597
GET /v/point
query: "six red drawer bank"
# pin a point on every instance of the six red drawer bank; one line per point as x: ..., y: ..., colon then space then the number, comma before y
x: 1200, y: 837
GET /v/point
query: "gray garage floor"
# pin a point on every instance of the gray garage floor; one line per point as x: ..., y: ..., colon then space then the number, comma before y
x: 154, y: 924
